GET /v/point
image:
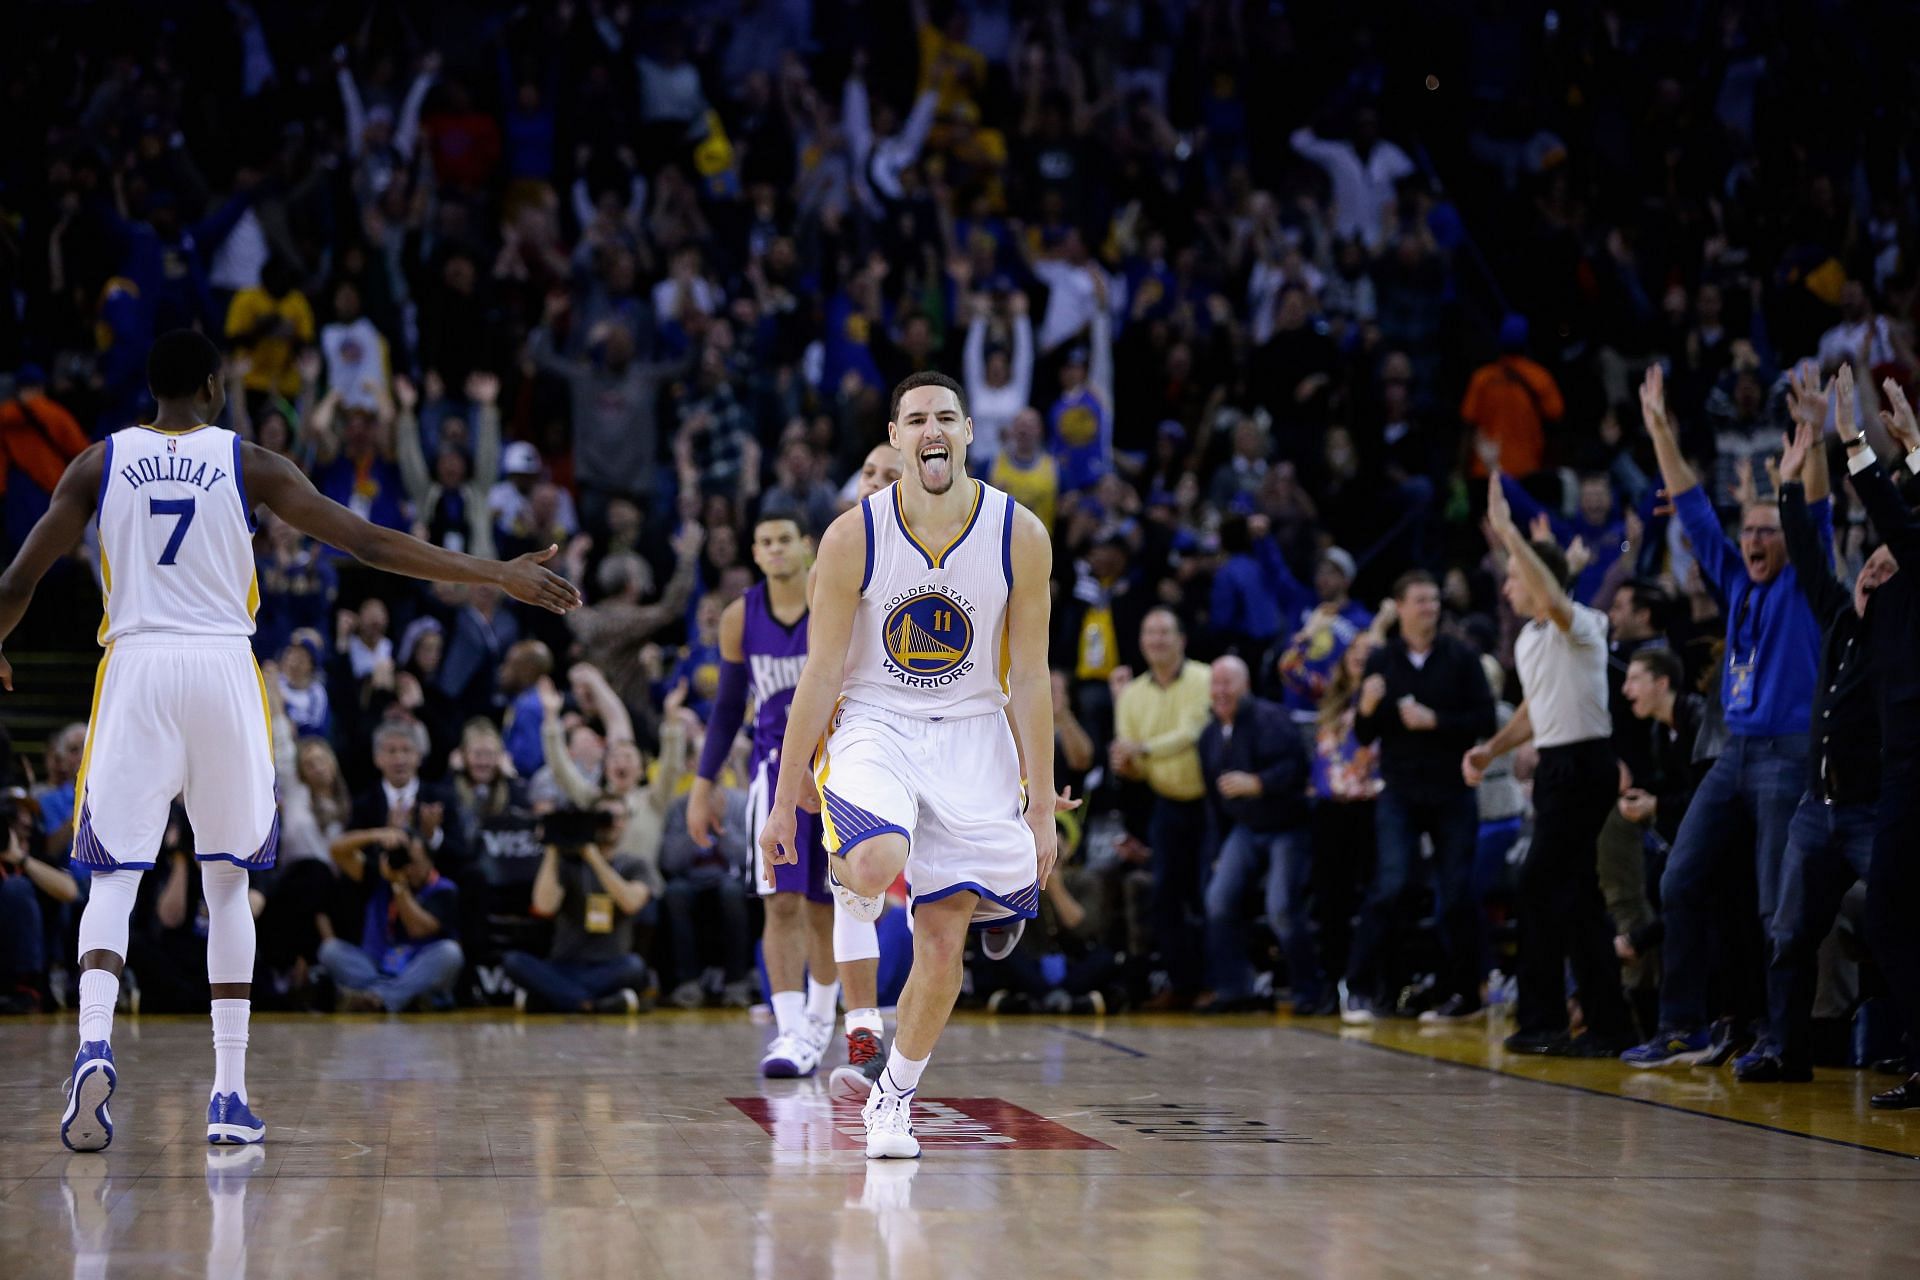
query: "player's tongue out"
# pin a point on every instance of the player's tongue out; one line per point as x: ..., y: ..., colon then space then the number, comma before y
x: 935, y: 465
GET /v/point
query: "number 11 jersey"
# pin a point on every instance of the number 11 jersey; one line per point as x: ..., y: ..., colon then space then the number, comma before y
x: 930, y: 636
x: 176, y: 535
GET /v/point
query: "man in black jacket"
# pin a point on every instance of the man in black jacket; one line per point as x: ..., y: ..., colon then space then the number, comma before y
x: 1830, y: 842
x: 1647, y: 815
x: 1893, y: 626
x: 401, y: 799
x: 1425, y: 700
x: 1255, y: 764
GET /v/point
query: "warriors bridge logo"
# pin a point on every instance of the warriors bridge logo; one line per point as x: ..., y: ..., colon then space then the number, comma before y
x: 928, y: 637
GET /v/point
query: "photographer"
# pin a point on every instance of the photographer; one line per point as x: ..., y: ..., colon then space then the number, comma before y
x: 407, y: 950
x: 591, y: 967
x: 24, y: 878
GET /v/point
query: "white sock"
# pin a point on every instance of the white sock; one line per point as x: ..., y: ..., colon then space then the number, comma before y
x: 823, y: 1001
x: 789, y: 1011
x: 902, y: 1075
x: 98, y: 990
x: 865, y: 1020
x: 230, y: 1046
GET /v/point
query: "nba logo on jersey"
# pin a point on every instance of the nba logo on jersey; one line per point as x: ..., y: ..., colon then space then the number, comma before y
x: 928, y: 637
x: 173, y: 446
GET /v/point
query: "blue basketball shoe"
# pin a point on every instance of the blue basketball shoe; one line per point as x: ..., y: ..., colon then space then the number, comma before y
x: 230, y: 1124
x: 86, y: 1126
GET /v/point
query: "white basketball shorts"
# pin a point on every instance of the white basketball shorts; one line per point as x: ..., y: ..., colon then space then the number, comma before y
x: 177, y: 715
x: 951, y: 787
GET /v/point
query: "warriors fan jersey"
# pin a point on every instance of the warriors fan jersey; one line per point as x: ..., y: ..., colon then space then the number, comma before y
x: 176, y: 535
x: 930, y: 635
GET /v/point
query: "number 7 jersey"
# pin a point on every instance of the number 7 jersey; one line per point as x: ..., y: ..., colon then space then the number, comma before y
x: 930, y: 636
x: 176, y: 535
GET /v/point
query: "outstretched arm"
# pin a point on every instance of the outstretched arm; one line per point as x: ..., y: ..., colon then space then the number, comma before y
x: 279, y: 484
x: 1719, y: 559
x: 53, y: 535
x: 1674, y: 467
x: 836, y: 595
x: 1524, y: 560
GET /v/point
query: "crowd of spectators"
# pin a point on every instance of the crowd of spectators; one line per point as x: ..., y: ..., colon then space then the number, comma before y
x: 1251, y: 302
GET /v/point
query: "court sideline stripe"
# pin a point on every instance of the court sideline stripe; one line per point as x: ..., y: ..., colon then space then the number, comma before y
x: 1088, y: 1036
x: 1337, y: 1038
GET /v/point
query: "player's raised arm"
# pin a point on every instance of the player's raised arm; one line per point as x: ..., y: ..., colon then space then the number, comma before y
x: 1030, y: 683
x: 836, y: 595
x: 285, y: 489
x: 52, y: 536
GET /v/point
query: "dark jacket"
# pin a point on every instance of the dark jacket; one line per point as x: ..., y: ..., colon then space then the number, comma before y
x: 1265, y: 742
x: 1893, y: 620
x: 1629, y: 743
x: 1672, y: 772
x: 1843, y: 756
x: 1425, y: 764
x: 370, y: 811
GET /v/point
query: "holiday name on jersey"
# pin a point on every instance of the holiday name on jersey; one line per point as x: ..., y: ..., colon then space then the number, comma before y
x: 172, y: 467
x: 942, y: 679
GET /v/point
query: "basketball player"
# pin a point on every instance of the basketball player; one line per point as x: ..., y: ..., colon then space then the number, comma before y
x: 929, y: 623
x: 763, y: 646
x: 179, y: 708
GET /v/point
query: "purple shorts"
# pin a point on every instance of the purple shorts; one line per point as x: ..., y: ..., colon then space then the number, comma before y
x: 807, y: 876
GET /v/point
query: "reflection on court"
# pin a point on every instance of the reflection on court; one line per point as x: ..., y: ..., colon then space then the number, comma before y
x: 480, y: 1145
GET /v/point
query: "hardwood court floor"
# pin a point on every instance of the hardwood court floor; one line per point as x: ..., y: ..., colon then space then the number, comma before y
x: 481, y: 1145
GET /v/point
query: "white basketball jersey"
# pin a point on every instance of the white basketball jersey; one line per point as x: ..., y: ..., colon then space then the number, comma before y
x: 176, y: 535
x: 930, y: 635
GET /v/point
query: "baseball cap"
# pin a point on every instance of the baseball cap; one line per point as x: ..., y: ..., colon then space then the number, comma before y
x: 521, y: 459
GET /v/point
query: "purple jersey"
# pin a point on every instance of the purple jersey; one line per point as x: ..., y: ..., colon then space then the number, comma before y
x: 775, y: 654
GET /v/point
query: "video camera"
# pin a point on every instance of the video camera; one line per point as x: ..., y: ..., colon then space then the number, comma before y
x: 571, y: 830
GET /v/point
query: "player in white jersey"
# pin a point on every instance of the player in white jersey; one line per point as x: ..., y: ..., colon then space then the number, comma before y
x: 179, y: 707
x: 929, y: 626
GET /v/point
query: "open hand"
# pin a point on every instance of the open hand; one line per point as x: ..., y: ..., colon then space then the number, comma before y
x: 527, y: 580
x: 1806, y: 400
x: 1653, y: 401
x: 1793, y: 452
x: 1898, y: 417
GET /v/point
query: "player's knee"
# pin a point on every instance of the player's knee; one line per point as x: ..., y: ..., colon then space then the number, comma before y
x: 870, y: 867
x: 784, y: 907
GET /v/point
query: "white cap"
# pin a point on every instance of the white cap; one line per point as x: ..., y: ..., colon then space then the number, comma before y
x: 521, y: 459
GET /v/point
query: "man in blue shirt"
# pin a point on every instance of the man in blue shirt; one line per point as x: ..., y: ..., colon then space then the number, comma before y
x: 1766, y: 690
x: 409, y: 941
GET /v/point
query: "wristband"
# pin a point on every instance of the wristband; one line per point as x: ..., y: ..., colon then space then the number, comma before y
x: 1913, y: 461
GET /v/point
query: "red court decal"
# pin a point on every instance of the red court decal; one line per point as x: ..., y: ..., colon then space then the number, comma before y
x: 811, y: 1122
